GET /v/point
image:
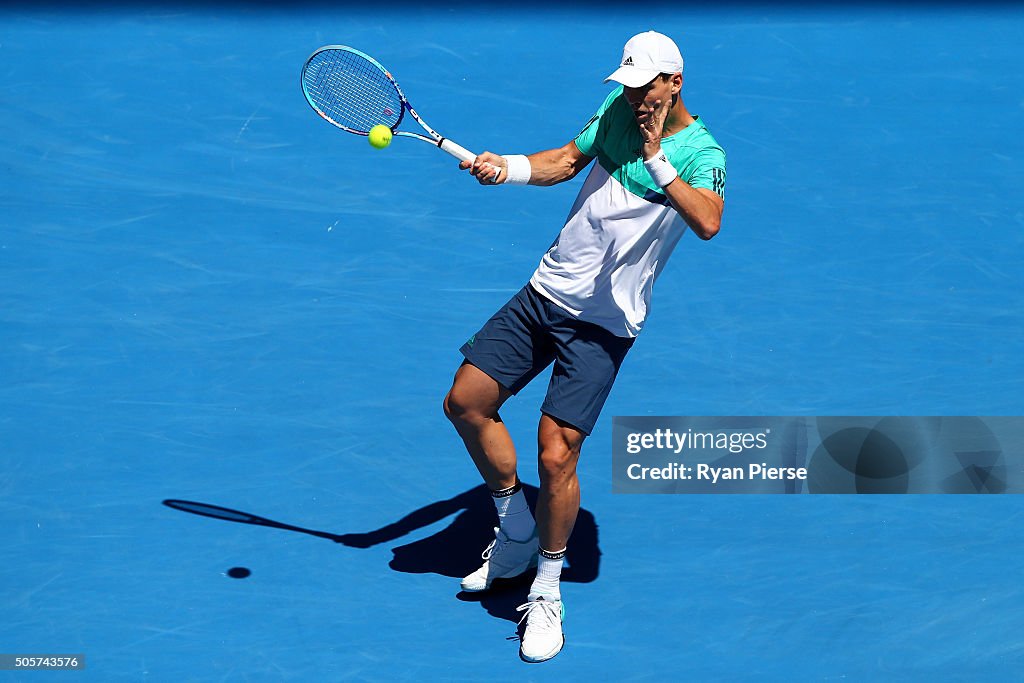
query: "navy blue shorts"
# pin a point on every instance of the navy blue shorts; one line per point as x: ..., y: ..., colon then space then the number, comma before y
x: 528, y: 334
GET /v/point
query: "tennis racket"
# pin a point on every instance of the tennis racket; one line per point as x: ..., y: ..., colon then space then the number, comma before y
x: 354, y: 92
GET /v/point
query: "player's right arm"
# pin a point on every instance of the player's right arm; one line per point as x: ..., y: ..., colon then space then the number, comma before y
x: 549, y: 167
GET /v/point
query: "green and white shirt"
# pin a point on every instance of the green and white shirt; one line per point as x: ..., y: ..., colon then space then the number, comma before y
x: 622, y: 229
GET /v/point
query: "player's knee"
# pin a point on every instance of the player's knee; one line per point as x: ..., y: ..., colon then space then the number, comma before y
x: 460, y: 408
x: 453, y: 408
x: 474, y: 398
x: 558, y: 457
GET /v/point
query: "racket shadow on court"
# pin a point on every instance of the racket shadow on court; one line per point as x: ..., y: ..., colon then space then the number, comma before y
x: 453, y: 551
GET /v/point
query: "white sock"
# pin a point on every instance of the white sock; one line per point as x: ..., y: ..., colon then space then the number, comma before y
x: 514, y: 515
x: 549, y: 575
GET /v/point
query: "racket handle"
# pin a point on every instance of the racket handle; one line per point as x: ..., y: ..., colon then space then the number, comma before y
x: 463, y: 154
x: 456, y: 150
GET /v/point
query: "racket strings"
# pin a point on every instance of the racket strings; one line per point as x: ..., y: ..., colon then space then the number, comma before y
x: 351, y: 91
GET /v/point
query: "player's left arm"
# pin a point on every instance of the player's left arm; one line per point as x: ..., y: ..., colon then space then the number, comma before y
x: 700, y: 207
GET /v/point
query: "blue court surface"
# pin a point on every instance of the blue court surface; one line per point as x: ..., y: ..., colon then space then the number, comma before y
x: 208, y: 294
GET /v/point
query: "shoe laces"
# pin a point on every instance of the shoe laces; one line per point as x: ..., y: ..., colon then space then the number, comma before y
x: 541, y: 614
x: 497, y: 545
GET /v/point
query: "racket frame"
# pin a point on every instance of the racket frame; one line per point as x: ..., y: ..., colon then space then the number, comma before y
x: 435, y: 138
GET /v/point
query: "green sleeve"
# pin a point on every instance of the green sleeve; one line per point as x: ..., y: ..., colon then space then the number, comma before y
x: 708, y: 171
x: 589, y: 141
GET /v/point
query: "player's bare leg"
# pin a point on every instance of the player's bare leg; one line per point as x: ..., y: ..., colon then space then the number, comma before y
x: 472, y: 406
x: 558, y: 505
x: 559, y: 445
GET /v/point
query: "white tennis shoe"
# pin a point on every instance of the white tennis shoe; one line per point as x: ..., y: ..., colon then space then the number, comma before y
x: 503, y: 559
x: 543, y: 637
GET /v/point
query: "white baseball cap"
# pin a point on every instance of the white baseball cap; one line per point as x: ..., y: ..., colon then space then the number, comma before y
x: 645, y: 56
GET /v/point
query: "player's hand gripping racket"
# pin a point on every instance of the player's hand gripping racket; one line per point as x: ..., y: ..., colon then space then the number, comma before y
x: 354, y: 92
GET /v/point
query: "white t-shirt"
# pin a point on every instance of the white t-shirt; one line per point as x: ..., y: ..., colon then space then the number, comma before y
x: 621, y: 229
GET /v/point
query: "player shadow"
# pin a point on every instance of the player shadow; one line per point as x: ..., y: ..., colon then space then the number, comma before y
x: 453, y: 551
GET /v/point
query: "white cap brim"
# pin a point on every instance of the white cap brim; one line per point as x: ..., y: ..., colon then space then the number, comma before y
x: 632, y: 77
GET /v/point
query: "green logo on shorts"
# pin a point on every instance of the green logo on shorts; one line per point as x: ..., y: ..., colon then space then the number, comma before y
x: 471, y: 340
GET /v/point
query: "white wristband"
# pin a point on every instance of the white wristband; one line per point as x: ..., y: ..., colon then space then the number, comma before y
x: 519, y: 170
x: 661, y: 169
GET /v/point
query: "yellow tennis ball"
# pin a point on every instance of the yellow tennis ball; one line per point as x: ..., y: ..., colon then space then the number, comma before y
x: 380, y: 136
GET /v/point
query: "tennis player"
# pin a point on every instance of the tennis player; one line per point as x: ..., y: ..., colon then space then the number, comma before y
x: 658, y: 171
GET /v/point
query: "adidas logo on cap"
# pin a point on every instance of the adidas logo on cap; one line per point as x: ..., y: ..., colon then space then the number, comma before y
x: 629, y: 61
